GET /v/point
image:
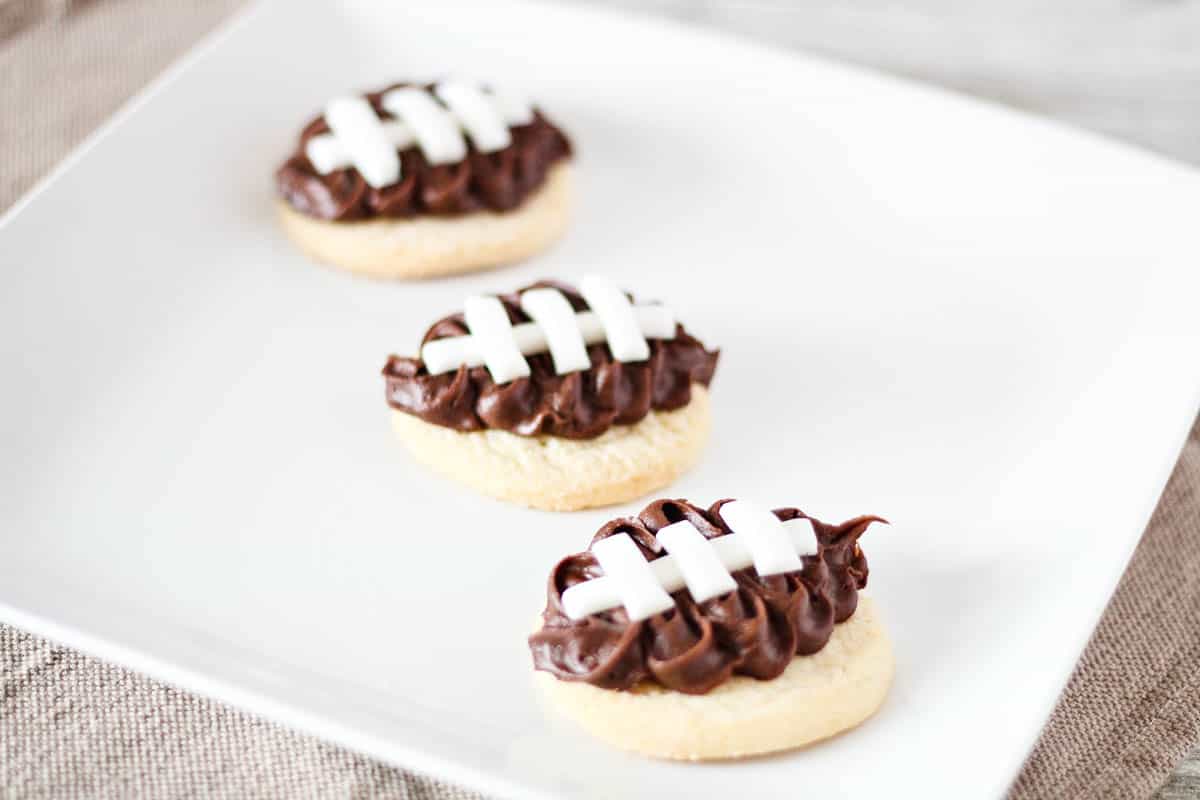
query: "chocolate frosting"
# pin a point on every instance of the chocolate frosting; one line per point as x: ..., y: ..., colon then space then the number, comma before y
x: 694, y: 647
x: 578, y: 405
x: 498, y: 181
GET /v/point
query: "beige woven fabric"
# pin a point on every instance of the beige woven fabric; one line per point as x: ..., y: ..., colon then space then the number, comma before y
x: 71, y: 726
x: 61, y: 78
x: 1132, y: 708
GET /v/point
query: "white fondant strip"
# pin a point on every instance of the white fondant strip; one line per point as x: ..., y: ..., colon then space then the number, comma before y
x: 552, y: 312
x: 447, y: 355
x: 436, y: 131
x: 764, y: 535
x: 477, y: 114
x: 327, y: 153
x: 513, y: 109
x: 485, y: 115
x: 733, y: 550
x: 622, y: 562
x: 703, y: 572
x: 490, y: 328
x: 625, y: 339
x: 358, y: 129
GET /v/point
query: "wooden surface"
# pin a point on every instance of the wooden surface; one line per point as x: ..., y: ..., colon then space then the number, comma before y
x: 1126, y: 68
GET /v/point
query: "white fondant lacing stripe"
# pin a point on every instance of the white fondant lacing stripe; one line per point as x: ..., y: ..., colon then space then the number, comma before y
x: 625, y: 339
x: 679, y: 568
x: 703, y: 571
x: 489, y: 325
x: 358, y: 130
x: 762, y: 531
x: 328, y: 151
x: 477, y: 114
x: 632, y: 577
x: 551, y: 310
x: 437, y: 133
x: 358, y: 138
x: 513, y: 109
x: 548, y: 331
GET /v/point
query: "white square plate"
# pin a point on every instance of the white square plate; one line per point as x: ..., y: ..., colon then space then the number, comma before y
x: 977, y: 324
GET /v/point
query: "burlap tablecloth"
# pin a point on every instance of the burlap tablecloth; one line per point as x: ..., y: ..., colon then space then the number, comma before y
x: 71, y: 726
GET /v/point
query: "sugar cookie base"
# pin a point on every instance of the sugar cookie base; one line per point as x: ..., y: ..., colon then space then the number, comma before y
x: 429, y: 246
x: 816, y: 697
x: 556, y: 474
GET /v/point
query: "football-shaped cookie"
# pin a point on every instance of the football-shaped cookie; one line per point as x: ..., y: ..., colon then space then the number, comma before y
x: 555, y: 398
x: 419, y: 180
x: 692, y: 633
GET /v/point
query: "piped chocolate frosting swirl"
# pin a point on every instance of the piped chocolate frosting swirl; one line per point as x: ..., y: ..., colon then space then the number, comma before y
x: 498, y: 181
x: 755, y: 631
x: 578, y: 405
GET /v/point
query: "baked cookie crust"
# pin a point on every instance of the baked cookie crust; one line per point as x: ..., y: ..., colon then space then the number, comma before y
x: 816, y: 697
x: 558, y: 474
x: 432, y: 246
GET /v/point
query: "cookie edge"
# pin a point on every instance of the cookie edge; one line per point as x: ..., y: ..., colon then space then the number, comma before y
x: 556, y: 474
x: 432, y: 246
x: 743, y: 717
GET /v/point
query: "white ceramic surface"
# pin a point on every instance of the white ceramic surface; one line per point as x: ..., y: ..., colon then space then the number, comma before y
x: 978, y: 324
